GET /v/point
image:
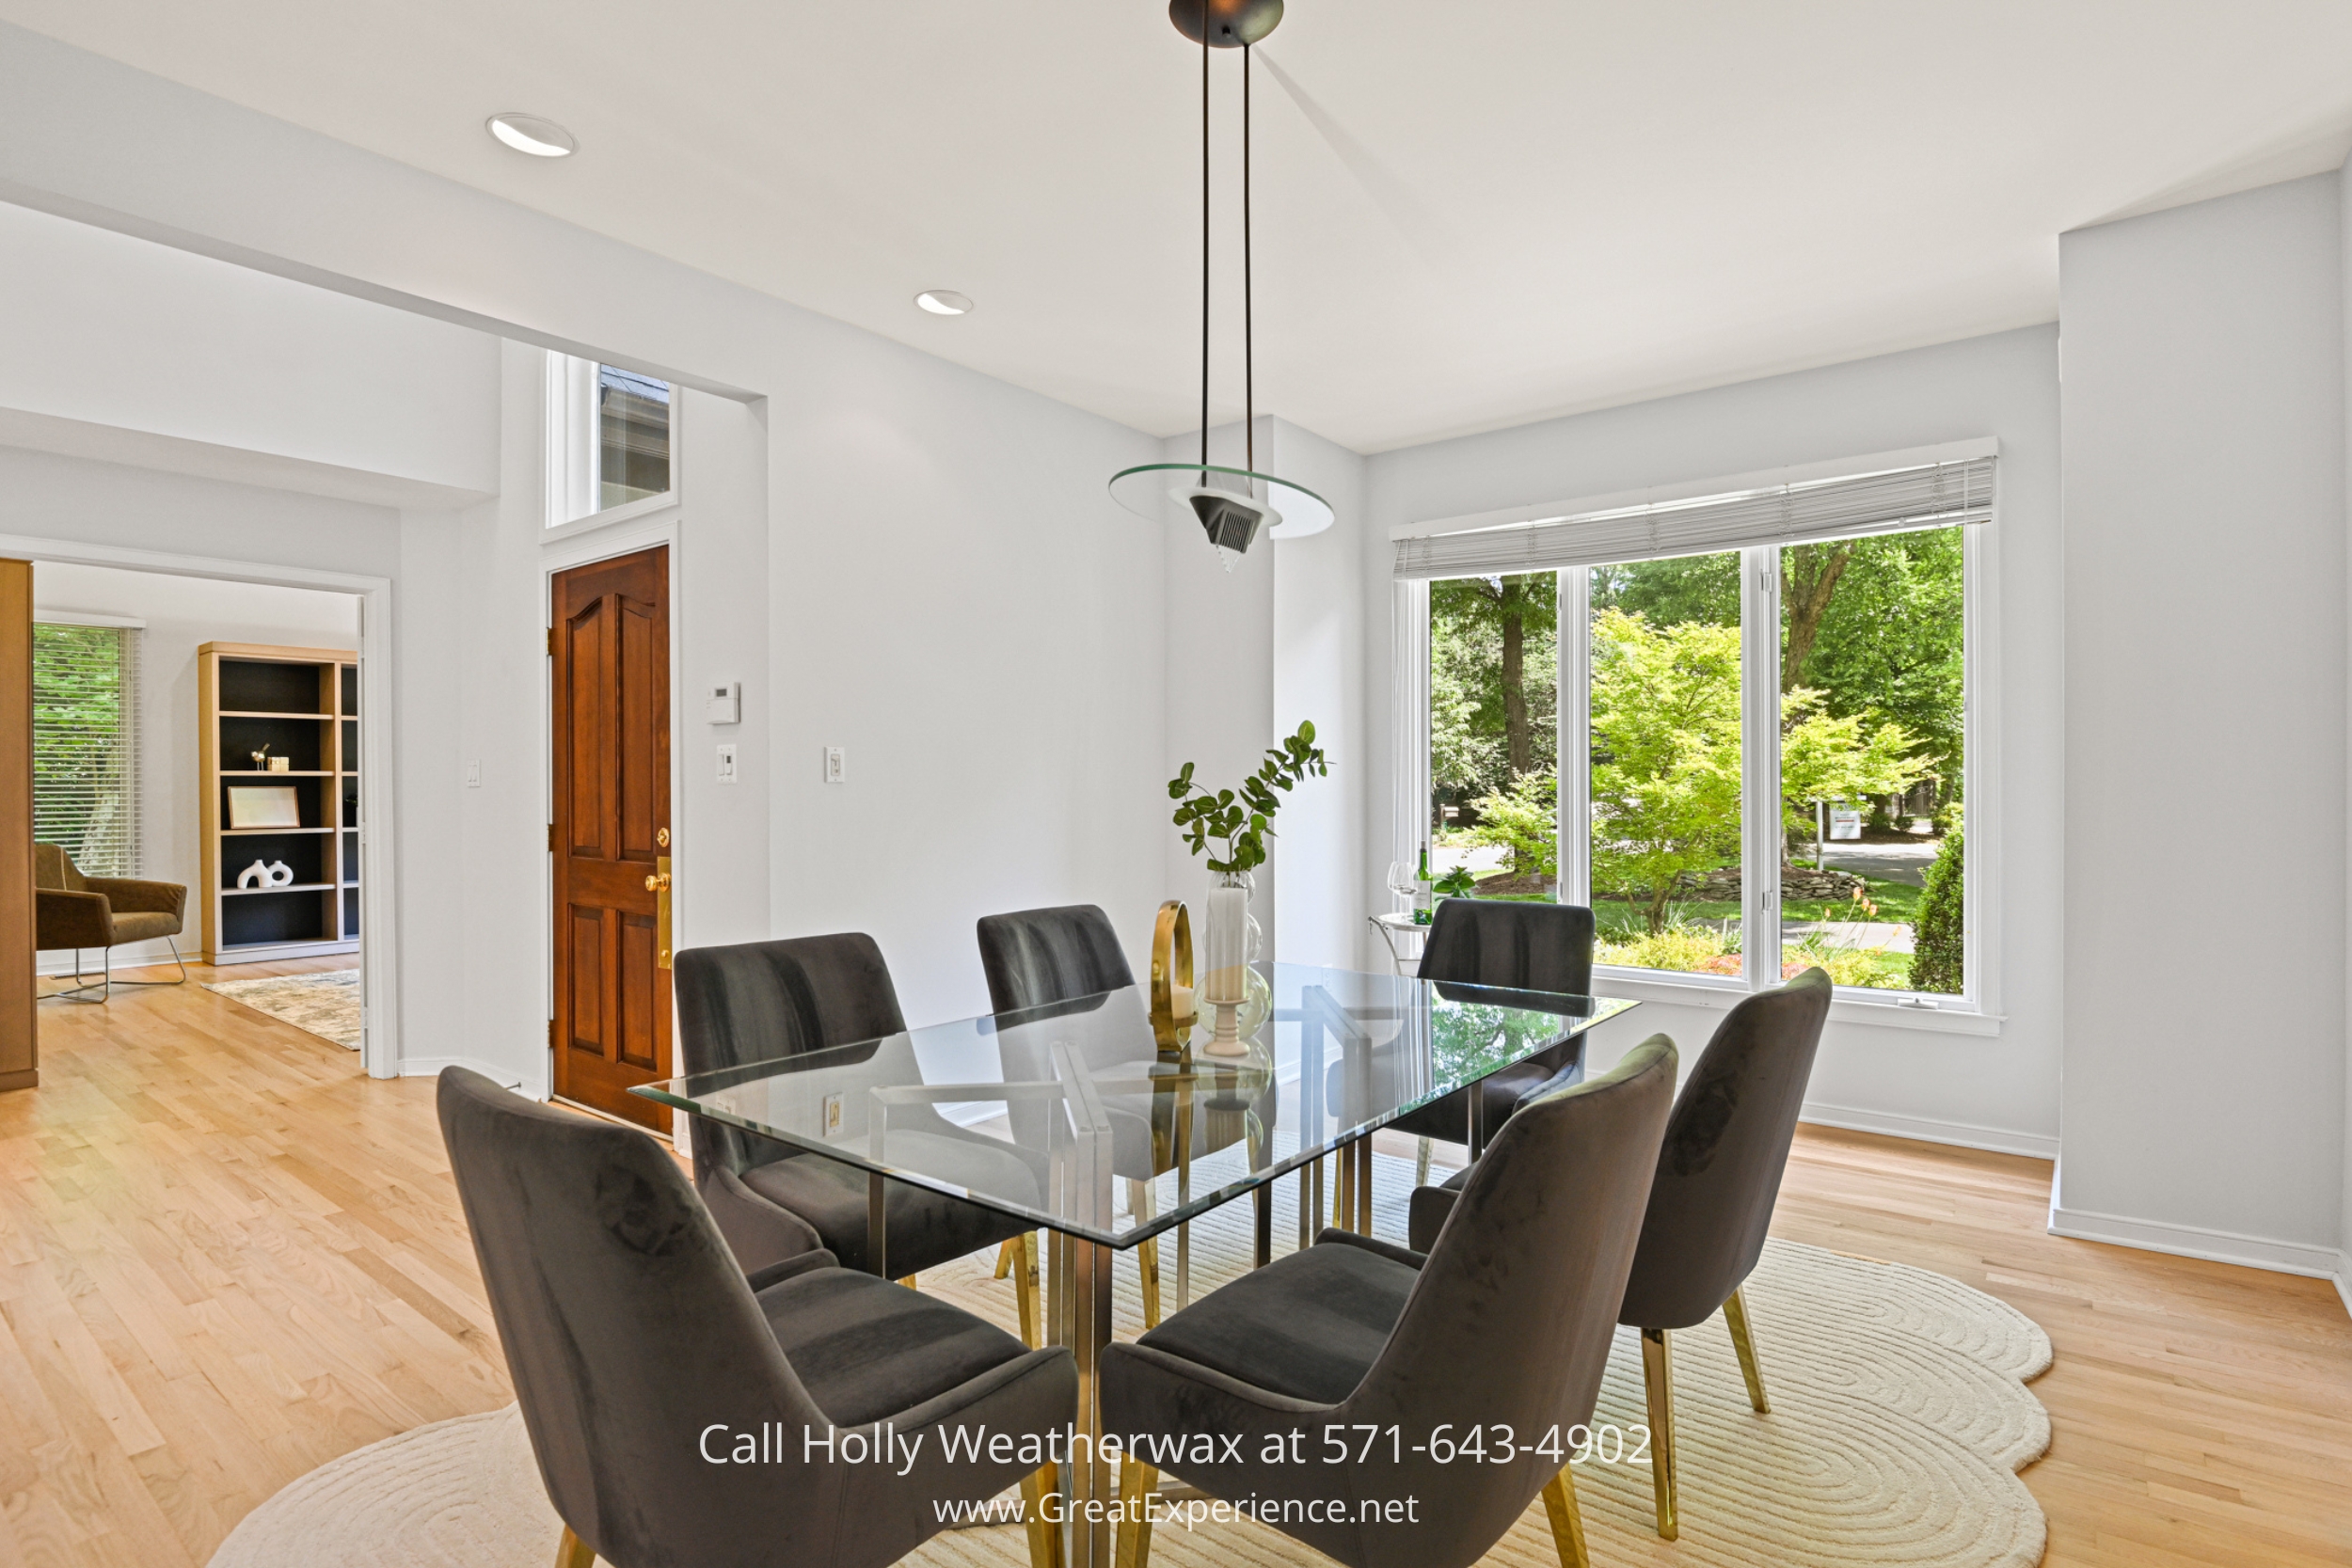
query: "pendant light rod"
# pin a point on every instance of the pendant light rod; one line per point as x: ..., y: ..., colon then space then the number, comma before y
x: 1248, y: 328
x: 1204, y: 252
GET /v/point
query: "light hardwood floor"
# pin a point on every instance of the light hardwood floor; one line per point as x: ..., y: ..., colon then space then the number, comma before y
x: 228, y: 1256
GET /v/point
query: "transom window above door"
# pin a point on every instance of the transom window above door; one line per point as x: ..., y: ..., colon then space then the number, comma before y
x: 611, y: 441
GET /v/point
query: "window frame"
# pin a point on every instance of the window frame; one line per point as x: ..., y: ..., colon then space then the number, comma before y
x: 569, y: 432
x: 1977, y: 1010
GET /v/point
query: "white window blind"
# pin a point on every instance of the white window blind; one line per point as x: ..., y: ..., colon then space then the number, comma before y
x: 1931, y: 495
x: 86, y: 774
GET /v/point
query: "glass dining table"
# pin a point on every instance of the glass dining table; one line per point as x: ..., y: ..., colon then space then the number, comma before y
x: 1051, y: 1116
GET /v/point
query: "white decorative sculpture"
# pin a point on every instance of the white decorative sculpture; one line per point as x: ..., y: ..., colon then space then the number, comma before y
x: 275, y: 874
x: 281, y: 874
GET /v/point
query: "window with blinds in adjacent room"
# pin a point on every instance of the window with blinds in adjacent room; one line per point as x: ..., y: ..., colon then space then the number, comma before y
x: 85, y: 744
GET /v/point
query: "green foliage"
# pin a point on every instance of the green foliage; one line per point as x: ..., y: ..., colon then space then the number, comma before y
x: 78, y: 688
x: 1665, y: 771
x: 1494, y: 678
x: 1936, y: 959
x: 1889, y: 643
x: 1703, y: 588
x: 1457, y: 883
x: 1839, y: 758
x: 1525, y: 821
x: 1243, y: 818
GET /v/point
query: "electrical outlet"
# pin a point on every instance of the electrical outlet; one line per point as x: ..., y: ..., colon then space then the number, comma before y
x: 836, y: 764
x: 473, y: 775
x: 726, y: 763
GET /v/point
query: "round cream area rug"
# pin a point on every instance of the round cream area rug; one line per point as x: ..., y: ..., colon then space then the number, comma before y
x: 1900, y: 1418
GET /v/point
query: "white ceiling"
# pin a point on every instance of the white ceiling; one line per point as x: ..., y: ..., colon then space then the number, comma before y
x: 1468, y: 215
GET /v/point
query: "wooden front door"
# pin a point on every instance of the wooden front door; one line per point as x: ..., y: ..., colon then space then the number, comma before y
x: 611, y: 648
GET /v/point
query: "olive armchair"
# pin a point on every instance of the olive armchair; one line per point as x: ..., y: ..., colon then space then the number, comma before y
x: 81, y: 913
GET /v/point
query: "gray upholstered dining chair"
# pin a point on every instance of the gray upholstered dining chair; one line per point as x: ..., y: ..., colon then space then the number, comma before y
x: 1508, y: 1320
x: 1038, y: 960
x: 638, y: 1350
x: 1719, y: 1174
x: 1511, y: 946
x: 760, y: 1000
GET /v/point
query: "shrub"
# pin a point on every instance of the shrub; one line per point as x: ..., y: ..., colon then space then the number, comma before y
x: 1526, y: 822
x: 1936, y: 953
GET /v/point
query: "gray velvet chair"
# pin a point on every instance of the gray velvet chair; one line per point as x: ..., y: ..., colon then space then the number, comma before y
x: 1719, y: 1174
x: 1509, y: 946
x: 760, y: 1000
x: 1039, y: 959
x: 1508, y: 1320
x: 632, y: 1334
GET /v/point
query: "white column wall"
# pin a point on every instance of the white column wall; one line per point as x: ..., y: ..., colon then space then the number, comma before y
x: 2205, y: 761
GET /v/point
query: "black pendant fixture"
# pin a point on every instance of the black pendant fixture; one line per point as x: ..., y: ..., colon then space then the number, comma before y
x: 1234, y: 506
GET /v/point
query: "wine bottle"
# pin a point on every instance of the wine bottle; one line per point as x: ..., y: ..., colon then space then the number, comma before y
x: 1425, y: 902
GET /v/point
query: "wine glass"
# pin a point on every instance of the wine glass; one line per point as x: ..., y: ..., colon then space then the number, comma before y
x: 1402, y: 881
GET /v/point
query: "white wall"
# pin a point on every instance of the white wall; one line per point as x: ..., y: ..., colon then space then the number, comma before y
x: 171, y: 351
x: 2205, y: 765
x: 183, y: 613
x: 1999, y: 1092
x: 1319, y: 674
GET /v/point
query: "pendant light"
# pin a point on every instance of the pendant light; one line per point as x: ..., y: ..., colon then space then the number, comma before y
x: 1234, y: 506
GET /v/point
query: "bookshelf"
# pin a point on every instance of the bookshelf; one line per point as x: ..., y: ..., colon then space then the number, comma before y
x: 303, y: 705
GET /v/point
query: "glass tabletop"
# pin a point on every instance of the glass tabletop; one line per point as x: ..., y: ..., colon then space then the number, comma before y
x: 1056, y: 1115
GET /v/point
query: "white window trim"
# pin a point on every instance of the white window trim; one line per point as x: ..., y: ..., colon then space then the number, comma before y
x: 1977, y: 1010
x: 571, y: 449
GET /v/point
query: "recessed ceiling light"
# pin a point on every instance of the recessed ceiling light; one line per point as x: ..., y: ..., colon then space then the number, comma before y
x: 541, y: 138
x: 944, y: 302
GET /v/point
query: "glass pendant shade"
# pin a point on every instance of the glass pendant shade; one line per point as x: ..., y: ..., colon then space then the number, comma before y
x: 1234, y: 506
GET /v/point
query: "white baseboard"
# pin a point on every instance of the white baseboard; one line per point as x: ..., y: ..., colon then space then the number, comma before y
x: 2343, y: 1283
x: 430, y: 1066
x: 2217, y: 1246
x: 1998, y: 1140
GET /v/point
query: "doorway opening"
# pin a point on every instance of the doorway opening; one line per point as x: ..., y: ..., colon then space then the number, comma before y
x: 198, y: 800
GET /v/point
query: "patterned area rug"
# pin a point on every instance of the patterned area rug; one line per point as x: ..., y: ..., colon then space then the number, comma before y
x: 326, y: 1004
x: 1900, y: 1420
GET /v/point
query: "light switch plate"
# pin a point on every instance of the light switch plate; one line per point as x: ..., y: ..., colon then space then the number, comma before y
x: 833, y: 1115
x: 726, y: 763
x: 473, y: 775
x: 836, y: 764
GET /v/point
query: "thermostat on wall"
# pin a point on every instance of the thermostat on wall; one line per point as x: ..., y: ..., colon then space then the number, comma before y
x: 725, y: 704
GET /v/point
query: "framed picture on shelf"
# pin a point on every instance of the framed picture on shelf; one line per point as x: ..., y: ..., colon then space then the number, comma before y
x: 263, y: 806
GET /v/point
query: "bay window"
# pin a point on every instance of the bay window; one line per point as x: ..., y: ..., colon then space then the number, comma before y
x: 1736, y: 724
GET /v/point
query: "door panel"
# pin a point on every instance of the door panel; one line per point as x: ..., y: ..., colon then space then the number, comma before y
x: 610, y: 685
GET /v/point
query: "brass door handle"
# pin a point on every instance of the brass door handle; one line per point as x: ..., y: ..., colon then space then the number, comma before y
x: 659, y: 884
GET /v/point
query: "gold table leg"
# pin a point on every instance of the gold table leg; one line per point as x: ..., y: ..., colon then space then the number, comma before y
x: 572, y: 1552
x: 1044, y: 1539
x: 1140, y: 1200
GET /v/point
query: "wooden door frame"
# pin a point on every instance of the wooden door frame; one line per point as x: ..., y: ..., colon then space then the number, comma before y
x: 627, y: 537
x: 379, y: 907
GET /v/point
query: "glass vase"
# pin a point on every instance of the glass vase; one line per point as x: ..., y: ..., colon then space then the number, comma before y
x: 1229, y: 940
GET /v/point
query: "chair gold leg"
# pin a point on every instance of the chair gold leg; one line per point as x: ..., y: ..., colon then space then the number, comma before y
x: 1743, y: 1341
x: 1004, y: 1256
x: 1420, y: 1164
x: 908, y: 1280
x: 1137, y: 1482
x: 1567, y: 1520
x: 1024, y: 1250
x: 1044, y: 1539
x: 1343, y: 1190
x: 1658, y: 1378
x: 572, y: 1552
